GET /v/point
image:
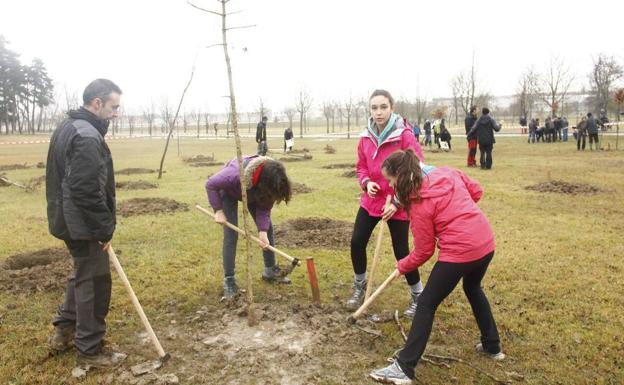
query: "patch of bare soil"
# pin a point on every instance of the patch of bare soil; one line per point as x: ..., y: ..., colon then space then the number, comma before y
x: 199, y: 158
x: 11, y: 167
x: 3, y: 183
x: 135, y: 185
x: 290, y: 344
x: 314, y: 233
x: 41, y: 165
x: 135, y: 170
x: 149, y: 206
x: 296, y: 158
x: 35, y: 183
x: 205, y: 164
x: 558, y: 186
x: 300, y: 188
x: 339, y: 166
x: 304, y: 150
x: 41, y: 270
x: 349, y: 174
x: 329, y: 149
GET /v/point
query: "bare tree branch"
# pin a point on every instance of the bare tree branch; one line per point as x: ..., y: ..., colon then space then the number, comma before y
x: 241, y: 27
x: 203, y: 9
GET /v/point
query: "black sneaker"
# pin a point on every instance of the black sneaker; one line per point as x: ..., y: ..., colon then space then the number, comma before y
x: 62, y: 339
x: 357, y: 297
x: 276, y: 275
x: 230, y: 289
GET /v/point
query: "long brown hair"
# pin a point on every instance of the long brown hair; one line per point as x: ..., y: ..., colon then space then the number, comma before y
x: 405, y: 166
x: 273, y: 184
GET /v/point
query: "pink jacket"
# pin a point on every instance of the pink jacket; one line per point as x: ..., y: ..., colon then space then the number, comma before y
x: 448, y: 213
x: 370, y: 159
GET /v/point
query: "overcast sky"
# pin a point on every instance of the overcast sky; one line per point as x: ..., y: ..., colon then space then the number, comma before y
x: 332, y: 48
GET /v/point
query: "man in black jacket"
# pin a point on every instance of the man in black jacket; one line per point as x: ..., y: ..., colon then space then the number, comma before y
x: 472, y: 139
x: 80, y: 192
x: 261, y: 136
x: 484, y: 128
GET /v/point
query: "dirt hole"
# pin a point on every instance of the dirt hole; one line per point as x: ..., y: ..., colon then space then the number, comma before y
x: 41, y: 270
x: 339, y: 166
x: 300, y: 188
x: 135, y: 185
x: 329, y: 149
x: 314, y: 233
x: 349, y: 174
x: 300, y: 151
x: 149, y: 206
x: 205, y: 164
x: 130, y: 171
x: 297, y: 158
x: 199, y: 158
x: 11, y: 167
x: 558, y: 186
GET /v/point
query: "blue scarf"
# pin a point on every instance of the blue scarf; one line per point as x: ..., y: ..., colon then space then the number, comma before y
x: 386, y: 131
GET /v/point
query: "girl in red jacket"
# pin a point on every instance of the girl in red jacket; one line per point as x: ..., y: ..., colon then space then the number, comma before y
x: 386, y: 133
x: 443, y: 210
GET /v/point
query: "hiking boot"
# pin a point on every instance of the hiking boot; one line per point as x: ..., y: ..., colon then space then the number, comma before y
x: 391, y: 374
x: 105, y: 358
x: 230, y: 289
x: 411, y: 309
x: 494, y: 356
x: 357, y: 298
x: 62, y: 339
x: 276, y: 275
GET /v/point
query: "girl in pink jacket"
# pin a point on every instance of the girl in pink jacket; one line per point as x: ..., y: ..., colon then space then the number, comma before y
x: 386, y: 133
x: 442, y: 203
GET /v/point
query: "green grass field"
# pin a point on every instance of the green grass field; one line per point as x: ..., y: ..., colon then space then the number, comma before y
x: 556, y: 283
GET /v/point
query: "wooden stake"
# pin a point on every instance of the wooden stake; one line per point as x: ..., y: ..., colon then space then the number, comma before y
x: 316, y: 296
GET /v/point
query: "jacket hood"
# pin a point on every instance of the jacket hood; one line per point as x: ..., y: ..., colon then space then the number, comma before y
x: 438, y: 183
x: 398, y: 128
x: 251, y: 167
x: 100, y: 124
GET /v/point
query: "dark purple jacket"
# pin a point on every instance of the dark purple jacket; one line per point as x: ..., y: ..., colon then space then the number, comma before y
x: 227, y: 181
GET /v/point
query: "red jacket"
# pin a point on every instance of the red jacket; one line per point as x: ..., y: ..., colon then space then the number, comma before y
x: 448, y: 213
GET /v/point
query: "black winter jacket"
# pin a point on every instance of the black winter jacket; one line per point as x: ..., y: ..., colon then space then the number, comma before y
x: 468, y: 123
x: 80, y: 180
x: 484, y: 128
x: 261, y: 135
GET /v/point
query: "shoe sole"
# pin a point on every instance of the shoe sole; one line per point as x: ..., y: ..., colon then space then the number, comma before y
x: 384, y: 380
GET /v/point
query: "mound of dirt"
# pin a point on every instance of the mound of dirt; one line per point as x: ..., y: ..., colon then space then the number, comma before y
x: 314, y: 233
x: 3, y: 183
x: 135, y: 185
x: 131, y: 171
x: 349, y: 174
x: 300, y: 151
x: 205, y: 164
x: 558, y: 186
x: 149, y: 206
x: 329, y: 149
x: 11, y: 167
x: 35, y: 183
x: 296, y: 158
x: 199, y: 158
x: 41, y: 270
x: 300, y: 188
x: 339, y: 166
x: 41, y: 165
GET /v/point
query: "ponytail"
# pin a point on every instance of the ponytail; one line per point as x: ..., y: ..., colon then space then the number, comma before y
x: 405, y: 166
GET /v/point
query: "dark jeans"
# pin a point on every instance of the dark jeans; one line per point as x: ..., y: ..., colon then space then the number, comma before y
x: 362, y: 230
x: 230, y: 237
x: 485, y: 155
x: 580, y: 138
x: 87, y: 296
x: 593, y: 138
x: 442, y: 280
x: 262, y: 148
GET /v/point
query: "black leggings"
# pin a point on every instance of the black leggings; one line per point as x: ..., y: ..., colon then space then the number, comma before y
x: 442, y: 280
x: 362, y: 230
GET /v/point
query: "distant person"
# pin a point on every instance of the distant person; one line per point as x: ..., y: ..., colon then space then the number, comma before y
x: 539, y: 133
x: 267, y: 184
x: 416, y: 131
x: 442, y: 203
x: 533, y: 130
x: 80, y: 193
x: 592, y: 131
x: 427, y: 128
x: 581, y: 134
x: 261, y: 136
x: 548, y: 129
x: 564, y: 129
x: 445, y: 136
x: 557, y: 126
x: 484, y: 128
x: 289, y: 140
x: 436, y: 132
x: 603, y: 120
x: 523, y: 124
x: 472, y: 139
x: 385, y: 134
